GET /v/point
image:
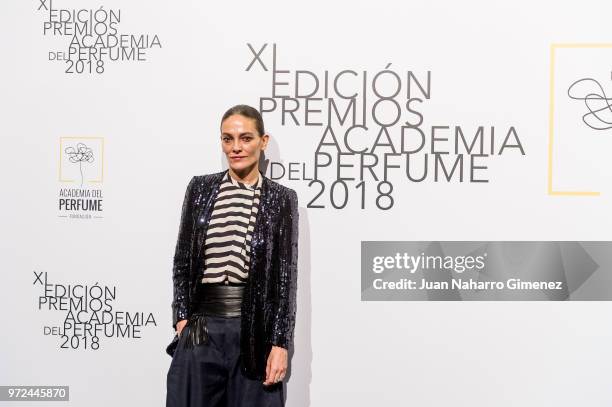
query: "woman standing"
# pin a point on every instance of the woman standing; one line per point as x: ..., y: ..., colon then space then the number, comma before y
x: 234, y: 278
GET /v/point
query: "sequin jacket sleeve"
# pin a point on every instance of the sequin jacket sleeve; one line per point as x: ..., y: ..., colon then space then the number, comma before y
x: 182, y: 258
x: 284, y: 317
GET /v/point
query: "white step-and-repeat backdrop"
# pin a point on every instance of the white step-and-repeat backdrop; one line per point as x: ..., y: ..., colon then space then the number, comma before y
x: 475, y: 133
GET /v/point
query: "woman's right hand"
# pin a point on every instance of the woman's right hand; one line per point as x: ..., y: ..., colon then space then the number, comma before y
x: 180, y: 325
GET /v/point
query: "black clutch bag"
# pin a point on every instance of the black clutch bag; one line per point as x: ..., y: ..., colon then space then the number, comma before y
x: 172, y: 346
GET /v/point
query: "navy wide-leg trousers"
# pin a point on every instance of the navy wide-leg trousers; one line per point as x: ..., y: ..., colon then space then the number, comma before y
x: 209, y: 375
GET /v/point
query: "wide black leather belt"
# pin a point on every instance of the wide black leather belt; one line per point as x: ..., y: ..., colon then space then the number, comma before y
x: 219, y: 300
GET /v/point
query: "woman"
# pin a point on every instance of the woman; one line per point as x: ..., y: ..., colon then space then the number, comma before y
x: 234, y: 277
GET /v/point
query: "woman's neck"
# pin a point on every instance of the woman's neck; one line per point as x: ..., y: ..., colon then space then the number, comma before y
x: 248, y: 178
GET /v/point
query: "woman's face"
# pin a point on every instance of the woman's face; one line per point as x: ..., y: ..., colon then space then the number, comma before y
x: 241, y: 142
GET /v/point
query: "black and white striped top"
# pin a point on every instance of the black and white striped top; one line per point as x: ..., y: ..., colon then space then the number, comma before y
x: 226, y: 248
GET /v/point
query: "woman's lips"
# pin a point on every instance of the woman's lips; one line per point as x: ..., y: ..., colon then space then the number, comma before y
x: 236, y: 158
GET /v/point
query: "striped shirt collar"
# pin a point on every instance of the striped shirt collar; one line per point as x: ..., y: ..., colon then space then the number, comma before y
x: 242, y: 185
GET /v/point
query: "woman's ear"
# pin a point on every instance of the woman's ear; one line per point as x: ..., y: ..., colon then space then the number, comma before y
x: 266, y: 138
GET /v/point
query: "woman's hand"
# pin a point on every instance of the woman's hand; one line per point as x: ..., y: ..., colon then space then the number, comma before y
x: 180, y: 325
x: 277, y: 365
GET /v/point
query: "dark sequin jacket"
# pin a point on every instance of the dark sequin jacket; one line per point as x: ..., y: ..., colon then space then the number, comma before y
x: 269, y: 300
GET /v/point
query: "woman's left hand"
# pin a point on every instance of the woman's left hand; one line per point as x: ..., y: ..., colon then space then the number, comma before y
x: 277, y: 365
